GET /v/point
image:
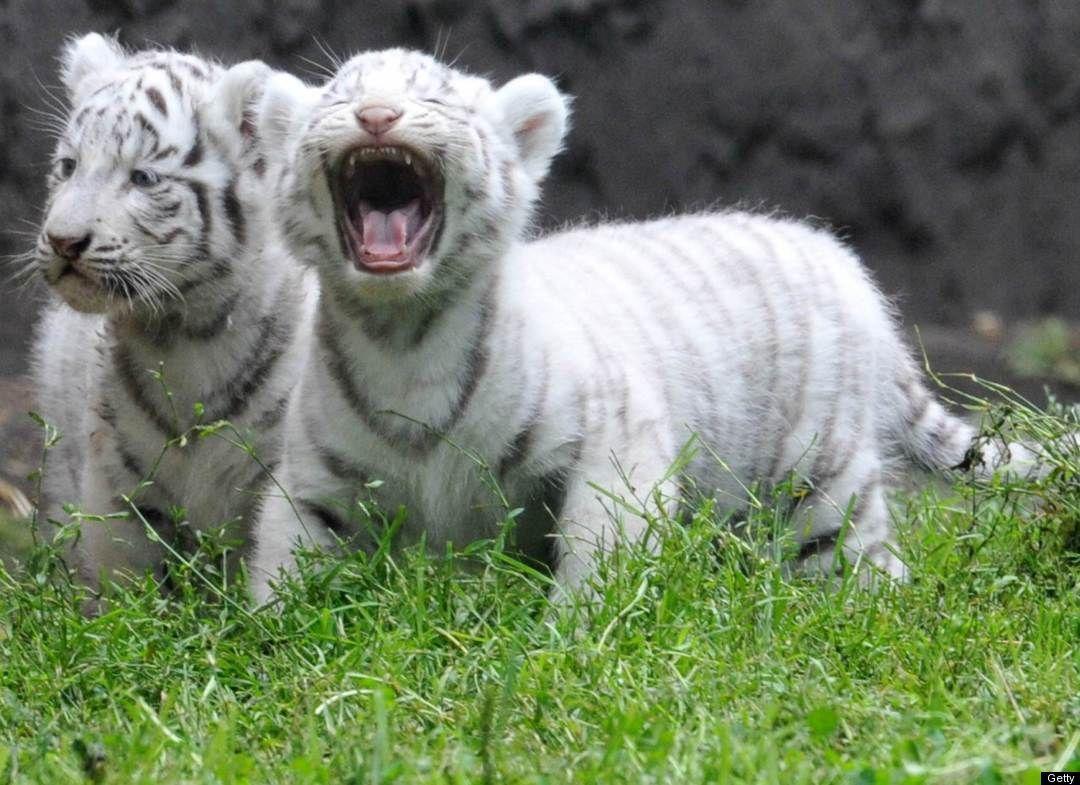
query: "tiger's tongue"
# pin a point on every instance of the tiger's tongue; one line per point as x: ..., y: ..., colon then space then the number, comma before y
x: 388, y: 234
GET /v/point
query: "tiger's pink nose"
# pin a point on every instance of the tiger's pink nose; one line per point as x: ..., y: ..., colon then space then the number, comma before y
x: 70, y: 248
x: 377, y: 120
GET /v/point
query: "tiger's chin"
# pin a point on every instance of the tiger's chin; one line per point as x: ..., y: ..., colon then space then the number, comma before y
x: 82, y: 293
x: 371, y: 290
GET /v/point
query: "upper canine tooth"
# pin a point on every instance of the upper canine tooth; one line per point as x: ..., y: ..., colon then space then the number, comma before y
x: 408, y: 159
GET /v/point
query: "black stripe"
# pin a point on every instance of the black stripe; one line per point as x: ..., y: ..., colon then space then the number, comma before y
x: 130, y: 376
x: 220, y: 270
x: 476, y: 364
x: 172, y: 234
x: 248, y: 128
x: 273, y: 415
x: 194, y: 70
x: 341, y: 467
x: 130, y: 462
x: 234, y: 212
x: 204, y: 214
x: 410, y: 436
x: 149, y: 129
x: 195, y: 154
x: 174, y: 80
x: 327, y: 517
x: 338, y: 367
x: 267, y: 350
x: 134, y: 466
x: 517, y: 451
x: 158, y: 100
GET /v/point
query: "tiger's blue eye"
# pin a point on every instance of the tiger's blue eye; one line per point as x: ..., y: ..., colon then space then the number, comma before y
x: 65, y: 167
x: 143, y: 178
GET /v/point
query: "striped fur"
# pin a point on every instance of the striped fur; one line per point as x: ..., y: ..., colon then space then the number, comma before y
x: 184, y: 276
x: 548, y: 358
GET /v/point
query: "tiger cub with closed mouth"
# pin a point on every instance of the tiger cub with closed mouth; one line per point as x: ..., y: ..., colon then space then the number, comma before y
x: 169, y: 289
x: 586, y: 358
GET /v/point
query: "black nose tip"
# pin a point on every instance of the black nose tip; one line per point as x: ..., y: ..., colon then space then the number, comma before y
x: 70, y: 248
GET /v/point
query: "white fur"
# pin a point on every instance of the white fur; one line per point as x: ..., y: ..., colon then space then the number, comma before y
x: 284, y: 102
x: 214, y: 281
x: 92, y: 55
x: 537, y: 115
x: 587, y: 357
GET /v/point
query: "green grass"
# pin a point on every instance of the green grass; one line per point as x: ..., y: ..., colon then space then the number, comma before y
x: 700, y: 663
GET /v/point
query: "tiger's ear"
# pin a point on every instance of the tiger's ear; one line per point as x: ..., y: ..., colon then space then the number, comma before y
x: 228, y: 111
x: 91, y: 55
x: 538, y: 116
x: 284, y: 106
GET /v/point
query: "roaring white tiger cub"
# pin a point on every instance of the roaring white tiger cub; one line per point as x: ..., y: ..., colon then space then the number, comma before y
x: 158, y: 243
x: 581, y: 359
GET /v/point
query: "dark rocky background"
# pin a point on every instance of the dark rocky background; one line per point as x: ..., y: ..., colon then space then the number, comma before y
x: 942, y: 137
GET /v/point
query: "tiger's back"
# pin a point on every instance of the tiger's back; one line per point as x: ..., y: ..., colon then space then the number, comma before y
x: 763, y: 337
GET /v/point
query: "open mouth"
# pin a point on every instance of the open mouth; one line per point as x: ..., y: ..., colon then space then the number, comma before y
x: 389, y: 207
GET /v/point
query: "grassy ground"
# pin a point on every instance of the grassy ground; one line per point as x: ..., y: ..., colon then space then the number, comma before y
x: 702, y: 663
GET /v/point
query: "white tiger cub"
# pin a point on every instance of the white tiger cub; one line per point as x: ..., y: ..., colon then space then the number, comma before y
x: 160, y: 252
x: 445, y: 338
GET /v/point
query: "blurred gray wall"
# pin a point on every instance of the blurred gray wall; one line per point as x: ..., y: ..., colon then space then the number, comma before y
x: 941, y: 136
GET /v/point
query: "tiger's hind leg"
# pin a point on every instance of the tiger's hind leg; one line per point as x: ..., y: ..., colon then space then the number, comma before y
x: 848, y: 512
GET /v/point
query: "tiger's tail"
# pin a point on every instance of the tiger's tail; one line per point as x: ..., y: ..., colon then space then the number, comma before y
x: 944, y: 443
